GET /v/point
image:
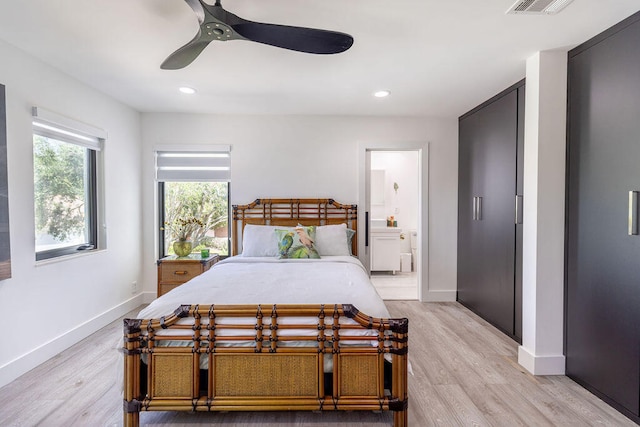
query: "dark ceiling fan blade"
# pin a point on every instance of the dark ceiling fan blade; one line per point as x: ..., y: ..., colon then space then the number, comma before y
x: 186, y: 54
x: 301, y: 39
x: 198, y: 9
x: 218, y: 24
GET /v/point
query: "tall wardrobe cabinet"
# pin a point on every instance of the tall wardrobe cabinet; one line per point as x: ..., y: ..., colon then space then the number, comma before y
x: 489, y: 204
x: 603, y: 243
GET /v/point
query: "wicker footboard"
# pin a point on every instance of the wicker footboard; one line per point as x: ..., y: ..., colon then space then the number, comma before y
x: 270, y: 364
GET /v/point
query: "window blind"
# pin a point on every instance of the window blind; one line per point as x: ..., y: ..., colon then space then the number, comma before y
x: 56, y: 126
x: 197, y: 165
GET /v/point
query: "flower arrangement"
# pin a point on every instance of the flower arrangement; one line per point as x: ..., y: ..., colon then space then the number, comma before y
x: 181, y: 229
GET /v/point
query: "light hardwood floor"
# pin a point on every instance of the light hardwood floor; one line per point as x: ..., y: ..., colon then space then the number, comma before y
x: 464, y: 374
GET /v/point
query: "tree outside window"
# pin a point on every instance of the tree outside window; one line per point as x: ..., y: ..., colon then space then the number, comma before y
x: 207, y: 204
x: 63, y: 190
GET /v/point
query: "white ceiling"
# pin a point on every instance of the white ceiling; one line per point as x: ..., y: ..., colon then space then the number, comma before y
x: 438, y: 58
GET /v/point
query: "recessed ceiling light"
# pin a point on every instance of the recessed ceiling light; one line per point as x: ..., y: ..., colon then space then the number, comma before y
x: 188, y: 90
x: 381, y: 93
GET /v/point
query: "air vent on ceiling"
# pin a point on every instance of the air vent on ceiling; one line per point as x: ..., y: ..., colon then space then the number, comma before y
x: 538, y: 7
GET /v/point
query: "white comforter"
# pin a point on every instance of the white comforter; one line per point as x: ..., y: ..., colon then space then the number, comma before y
x: 265, y: 280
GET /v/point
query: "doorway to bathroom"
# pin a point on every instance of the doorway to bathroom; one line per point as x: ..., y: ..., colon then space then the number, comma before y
x: 394, y: 221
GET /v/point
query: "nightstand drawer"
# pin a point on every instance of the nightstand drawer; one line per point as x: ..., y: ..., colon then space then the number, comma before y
x: 174, y: 271
x: 163, y: 288
x: 178, y: 272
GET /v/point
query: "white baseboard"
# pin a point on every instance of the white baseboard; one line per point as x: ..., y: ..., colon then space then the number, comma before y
x: 46, y: 351
x: 439, y: 296
x: 541, y: 365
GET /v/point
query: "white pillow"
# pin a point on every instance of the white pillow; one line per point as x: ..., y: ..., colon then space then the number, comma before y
x: 332, y: 240
x: 259, y: 240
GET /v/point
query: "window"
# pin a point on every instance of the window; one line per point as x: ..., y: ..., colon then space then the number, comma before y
x: 193, y: 196
x: 65, y: 169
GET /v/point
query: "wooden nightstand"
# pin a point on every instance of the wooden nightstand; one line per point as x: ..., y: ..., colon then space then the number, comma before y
x: 174, y: 271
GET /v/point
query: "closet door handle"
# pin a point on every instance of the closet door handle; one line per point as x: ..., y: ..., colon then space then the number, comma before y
x: 633, y: 213
x: 474, y: 209
x: 518, y: 209
x: 476, y: 214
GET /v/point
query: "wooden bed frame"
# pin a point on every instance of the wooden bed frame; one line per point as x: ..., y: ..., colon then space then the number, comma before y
x: 271, y: 375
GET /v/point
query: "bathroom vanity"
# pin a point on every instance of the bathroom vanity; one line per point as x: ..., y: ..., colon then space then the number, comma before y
x: 385, y: 249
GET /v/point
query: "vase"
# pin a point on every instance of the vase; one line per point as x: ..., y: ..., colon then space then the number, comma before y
x: 182, y: 248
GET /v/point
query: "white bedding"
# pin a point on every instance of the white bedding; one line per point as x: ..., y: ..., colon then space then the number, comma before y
x: 266, y: 280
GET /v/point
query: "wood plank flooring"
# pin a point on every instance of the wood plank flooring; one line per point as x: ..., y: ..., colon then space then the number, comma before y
x: 465, y: 373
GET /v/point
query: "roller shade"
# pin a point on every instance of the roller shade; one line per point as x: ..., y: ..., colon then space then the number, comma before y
x: 52, y: 125
x: 193, y: 166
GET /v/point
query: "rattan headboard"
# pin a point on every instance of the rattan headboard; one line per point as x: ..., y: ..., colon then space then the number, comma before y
x: 291, y: 212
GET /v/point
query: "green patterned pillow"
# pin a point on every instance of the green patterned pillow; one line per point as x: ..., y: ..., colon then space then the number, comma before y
x: 297, y: 243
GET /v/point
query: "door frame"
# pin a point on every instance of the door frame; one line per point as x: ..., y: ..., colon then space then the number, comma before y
x: 364, y: 166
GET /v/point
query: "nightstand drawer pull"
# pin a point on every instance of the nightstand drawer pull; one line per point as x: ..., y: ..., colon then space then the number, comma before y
x: 181, y: 273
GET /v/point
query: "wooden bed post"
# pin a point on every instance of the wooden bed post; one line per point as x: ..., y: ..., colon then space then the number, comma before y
x: 354, y: 227
x: 234, y: 230
x: 399, y: 388
x: 131, y: 350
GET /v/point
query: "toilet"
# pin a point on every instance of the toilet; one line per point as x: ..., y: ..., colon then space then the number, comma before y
x: 414, y: 245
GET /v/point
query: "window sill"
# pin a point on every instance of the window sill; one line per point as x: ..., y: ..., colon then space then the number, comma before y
x: 68, y: 257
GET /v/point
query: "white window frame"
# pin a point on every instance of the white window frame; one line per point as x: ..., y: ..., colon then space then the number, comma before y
x: 52, y: 125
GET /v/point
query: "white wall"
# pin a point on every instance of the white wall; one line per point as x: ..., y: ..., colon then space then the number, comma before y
x: 50, y: 306
x: 302, y: 156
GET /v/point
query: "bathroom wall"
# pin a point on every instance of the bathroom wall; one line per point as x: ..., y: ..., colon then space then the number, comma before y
x: 401, y: 167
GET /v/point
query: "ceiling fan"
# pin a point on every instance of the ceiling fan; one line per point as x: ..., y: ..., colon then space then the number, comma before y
x: 218, y: 24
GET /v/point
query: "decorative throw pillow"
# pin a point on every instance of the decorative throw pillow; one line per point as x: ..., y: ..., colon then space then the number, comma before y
x: 297, y: 243
x: 350, y: 234
x: 259, y: 241
x: 332, y: 240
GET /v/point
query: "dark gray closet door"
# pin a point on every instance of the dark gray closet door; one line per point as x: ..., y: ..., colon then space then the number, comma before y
x: 466, y: 205
x: 486, y: 244
x: 603, y: 260
x: 519, y: 217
